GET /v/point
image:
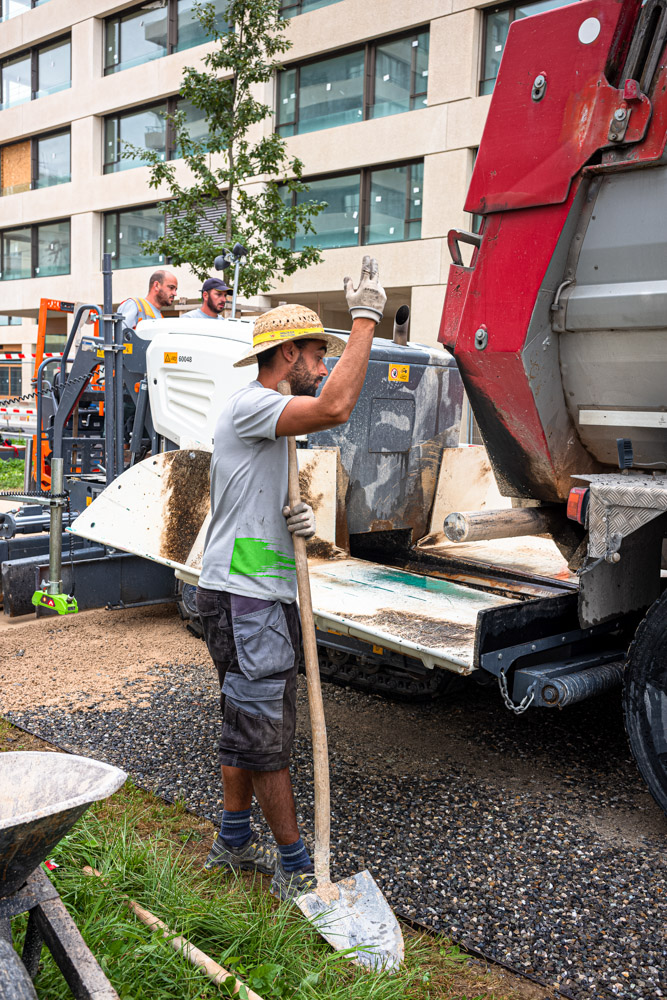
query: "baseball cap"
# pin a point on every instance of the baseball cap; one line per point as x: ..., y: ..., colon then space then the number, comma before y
x: 211, y: 283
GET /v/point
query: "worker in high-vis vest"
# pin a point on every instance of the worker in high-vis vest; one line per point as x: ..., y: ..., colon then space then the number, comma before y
x: 162, y: 288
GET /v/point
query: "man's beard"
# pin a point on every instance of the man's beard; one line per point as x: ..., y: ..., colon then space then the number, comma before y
x: 213, y: 307
x: 302, y: 382
x: 163, y: 300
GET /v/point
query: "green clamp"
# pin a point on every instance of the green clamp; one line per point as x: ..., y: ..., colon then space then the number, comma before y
x: 61, y: 603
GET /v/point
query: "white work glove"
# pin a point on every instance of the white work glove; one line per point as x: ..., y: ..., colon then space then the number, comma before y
x: 300, y: 520
x: 369, y: 299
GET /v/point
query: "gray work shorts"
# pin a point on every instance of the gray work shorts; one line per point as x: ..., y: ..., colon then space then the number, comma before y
x: 255, y: 646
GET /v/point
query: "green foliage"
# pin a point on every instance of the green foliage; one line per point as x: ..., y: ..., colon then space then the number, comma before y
x: 11, y: 474
x: 269, y: 947
x: 244, y: 59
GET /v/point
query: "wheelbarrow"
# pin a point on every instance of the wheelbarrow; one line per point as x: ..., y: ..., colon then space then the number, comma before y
x: 42, y: 795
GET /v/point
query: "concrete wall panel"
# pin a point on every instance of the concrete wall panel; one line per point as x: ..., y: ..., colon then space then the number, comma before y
x: 454, y: 57
x: 384, y: 140
x: 446, y: 177
x: 347, y: 22
x: 465, y: 122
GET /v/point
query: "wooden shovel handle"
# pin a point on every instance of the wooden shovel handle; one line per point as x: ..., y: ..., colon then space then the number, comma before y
x: 317, y: 720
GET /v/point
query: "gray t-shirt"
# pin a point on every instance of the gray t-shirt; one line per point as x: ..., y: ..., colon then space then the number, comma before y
x: 199, y: 314
x: 248, y: 549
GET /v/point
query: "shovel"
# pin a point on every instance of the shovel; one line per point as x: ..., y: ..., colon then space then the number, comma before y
x: 352, y: 915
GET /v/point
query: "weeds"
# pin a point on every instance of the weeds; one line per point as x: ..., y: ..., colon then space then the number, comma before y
x: 11, y: 473
x: 232, y: 919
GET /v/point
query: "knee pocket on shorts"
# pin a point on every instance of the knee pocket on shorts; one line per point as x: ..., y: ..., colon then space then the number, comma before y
x: 263, y: 643
x: 253, y: 714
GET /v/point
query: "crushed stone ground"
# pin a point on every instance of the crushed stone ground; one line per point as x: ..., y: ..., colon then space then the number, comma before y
x: 531, y: 838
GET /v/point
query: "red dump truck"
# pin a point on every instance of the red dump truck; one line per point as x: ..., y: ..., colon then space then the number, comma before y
x: 558, y: 324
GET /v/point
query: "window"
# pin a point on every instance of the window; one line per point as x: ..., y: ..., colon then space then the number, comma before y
x: 51, y: 164
x: 395, y: 204
x: 52, y: 249
x: 189, y: 31
x: 10, y: 321
x: 35, y: 251
x: 376, y: 205
x: 10, y: 379
x: 476, y: 221
x: 144, y: 34
x: 382, y: 78
x: 401, y: 75
x: 12, y: 8
x: 35, y: 163
x: 36, y: 73
x: 125, y: 231
x: 147, y: 128
x: 16, y: 81
x: 497, y: 22
x: 290, y: 8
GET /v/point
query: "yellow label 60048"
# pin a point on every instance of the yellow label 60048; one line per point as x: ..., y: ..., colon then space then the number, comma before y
x: 399, y: 373
x: 170, y: 359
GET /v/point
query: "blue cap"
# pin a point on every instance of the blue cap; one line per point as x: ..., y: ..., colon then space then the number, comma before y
x: 211, y: 283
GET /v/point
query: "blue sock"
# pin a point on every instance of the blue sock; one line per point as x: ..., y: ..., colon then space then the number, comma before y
x: 295, y: 857
x: 235, y: 829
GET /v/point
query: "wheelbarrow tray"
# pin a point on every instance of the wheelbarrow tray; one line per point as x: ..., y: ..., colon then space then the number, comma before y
x: 41, y: 797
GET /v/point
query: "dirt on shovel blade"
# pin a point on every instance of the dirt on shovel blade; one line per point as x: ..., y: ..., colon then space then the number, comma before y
x: 353, y: 914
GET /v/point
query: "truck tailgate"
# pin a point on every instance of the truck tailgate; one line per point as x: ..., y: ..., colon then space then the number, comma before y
x: 430, y: 619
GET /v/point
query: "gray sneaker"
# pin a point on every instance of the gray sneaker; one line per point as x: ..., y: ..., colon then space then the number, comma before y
x: 289, y: 885
x: 251, y: 856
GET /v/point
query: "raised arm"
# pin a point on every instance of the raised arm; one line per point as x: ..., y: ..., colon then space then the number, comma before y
x: 340, y: 392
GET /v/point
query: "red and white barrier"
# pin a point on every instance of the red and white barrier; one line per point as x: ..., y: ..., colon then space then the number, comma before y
x: 4, y: 356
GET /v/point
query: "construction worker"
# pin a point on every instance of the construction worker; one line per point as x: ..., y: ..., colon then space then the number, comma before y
x: 162, y: 288
x: 247, y: 589
x: 214, y: 293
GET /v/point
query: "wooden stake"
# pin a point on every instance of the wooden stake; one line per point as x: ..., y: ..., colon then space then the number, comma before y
x: 198, y: 958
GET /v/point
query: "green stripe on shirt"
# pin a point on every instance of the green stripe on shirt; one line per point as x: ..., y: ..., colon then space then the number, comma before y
x: 255, y: 557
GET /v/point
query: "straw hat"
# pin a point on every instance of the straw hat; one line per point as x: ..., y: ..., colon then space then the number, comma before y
x: 290, y: 322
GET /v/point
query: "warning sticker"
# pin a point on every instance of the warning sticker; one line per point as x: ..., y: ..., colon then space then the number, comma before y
x: 399, y: 373
x: 127, y: 349
x: 170, y: 359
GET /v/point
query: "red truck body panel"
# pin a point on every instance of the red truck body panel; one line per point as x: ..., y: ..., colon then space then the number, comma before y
x: 529, y: 183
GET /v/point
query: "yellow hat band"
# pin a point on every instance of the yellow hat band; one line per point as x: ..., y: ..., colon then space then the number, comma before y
x: 271, y: 335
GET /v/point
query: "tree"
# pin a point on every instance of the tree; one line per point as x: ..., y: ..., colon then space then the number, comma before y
x: 249, y: 43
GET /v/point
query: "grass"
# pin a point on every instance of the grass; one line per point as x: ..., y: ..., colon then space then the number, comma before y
x: 153, y: 852
x: 11, y: 474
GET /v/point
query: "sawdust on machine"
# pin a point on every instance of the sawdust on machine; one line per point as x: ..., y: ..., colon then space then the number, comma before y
x: 187, y: 488
x: 306, y: 489
x: 97, y: 659
x: 419, y: 628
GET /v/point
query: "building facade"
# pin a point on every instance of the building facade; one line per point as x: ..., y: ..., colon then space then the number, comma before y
x: 383, y: 101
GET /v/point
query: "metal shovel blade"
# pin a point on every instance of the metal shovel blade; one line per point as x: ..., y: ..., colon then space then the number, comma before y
x: 353, y: 914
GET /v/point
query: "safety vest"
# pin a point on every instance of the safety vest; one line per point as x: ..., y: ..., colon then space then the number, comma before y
x: 144, y: 308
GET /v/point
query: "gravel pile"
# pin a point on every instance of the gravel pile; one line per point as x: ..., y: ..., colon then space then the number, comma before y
x: 529, y: 838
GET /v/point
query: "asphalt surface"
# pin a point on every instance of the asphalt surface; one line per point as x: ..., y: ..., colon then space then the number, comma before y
x: 531, y: 838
